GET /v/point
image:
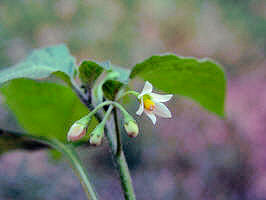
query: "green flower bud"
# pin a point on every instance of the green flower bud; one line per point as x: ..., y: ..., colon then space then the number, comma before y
x: 132, y: 128
x: 96, y: 135
x: 130, y: 124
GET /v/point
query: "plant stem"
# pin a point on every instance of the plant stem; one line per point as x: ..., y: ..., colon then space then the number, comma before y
x: 77, y: 165
x: 118, y: 136
x: 125, y: 177
x: 115, y: 143
x: 134, y: 93
x: 124, y: 173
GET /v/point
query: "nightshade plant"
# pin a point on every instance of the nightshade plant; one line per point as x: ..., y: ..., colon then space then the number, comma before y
x: 62, y: 106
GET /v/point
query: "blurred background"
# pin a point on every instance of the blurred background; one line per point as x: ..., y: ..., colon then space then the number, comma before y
x: 194, y: 155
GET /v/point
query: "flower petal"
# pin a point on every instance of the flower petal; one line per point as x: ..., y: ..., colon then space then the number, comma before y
x: 141, y: 108
x: 161, y: 98
x: 151, y: 116
x: 146, y: 89
x: 162, y: 110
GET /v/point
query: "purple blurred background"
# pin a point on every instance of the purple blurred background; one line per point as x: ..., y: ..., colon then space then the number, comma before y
x: 194, y: 155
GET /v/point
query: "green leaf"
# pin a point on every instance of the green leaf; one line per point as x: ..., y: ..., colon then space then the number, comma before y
x: 41, y: 64
x: 202, y: 80
x: 42, y: 108
x: 111, y: 87
x: 89, y: 71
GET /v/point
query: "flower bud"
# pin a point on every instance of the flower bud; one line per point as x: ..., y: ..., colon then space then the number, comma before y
x: 97, y: 135
x: 130, y: 124
x: 76, y: 132
x: 78, y: 129
x: 132, y: 128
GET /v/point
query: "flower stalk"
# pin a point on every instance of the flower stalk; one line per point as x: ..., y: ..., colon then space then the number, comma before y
x: 97, y: 135
x: 120, y: 159
x: 112, y: 129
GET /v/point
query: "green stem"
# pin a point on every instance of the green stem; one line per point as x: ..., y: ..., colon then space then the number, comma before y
x: 134, y: 93
x: 125, y: 177
x: 77, y: 165
x: 99, y: 106
x: 124, y: 173
x: 118, y: 136
x: 115, y: 143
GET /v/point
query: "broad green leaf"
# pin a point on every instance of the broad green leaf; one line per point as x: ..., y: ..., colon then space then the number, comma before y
x: 202, y: 80
x: 41, y: 64
x: 42, y: 108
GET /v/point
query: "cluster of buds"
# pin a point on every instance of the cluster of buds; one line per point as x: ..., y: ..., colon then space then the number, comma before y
x: 150, y: 103
x: 79, y: 128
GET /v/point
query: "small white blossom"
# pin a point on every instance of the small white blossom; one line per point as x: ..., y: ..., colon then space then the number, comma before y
x: 151, y: 103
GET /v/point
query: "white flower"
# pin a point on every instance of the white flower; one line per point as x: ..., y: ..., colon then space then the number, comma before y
x: 151, y: 103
